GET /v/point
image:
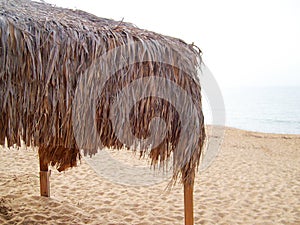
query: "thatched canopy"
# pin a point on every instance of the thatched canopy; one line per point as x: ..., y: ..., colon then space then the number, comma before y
x: 46, y: 51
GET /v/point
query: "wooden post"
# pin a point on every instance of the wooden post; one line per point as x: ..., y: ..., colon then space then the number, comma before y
x: 44, y: 178
x: 188, y: 204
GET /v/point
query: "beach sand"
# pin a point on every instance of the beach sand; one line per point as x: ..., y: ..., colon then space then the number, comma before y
x: 254, y: 180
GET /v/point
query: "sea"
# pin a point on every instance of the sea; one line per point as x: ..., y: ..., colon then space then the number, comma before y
x: 262, y: 109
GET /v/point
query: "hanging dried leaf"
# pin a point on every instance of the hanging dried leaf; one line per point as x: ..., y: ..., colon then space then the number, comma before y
x: 49, y: 54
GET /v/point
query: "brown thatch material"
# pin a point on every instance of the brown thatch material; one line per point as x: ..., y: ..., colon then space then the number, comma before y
x: 46, y: 50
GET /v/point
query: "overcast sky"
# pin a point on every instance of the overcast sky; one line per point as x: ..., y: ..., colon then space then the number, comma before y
x: 244, y: 43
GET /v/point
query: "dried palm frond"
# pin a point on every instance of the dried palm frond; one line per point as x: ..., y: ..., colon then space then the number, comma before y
x: 47, y: 52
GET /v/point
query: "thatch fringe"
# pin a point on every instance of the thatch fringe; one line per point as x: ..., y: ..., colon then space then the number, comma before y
x: 45, y: 53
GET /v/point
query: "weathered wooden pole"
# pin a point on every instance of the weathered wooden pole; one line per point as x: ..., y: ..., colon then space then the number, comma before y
x: 188, y: 204
x: 44, y: 178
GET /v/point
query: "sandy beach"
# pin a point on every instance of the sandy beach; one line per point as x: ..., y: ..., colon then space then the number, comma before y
x: 254, y: 180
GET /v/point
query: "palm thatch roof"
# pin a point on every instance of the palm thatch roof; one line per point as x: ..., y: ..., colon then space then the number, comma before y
x: 45, y: 53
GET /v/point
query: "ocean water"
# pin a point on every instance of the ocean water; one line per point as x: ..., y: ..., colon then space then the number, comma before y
x: 263, y: 109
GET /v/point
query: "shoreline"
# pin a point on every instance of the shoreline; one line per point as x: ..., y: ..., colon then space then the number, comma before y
x: 250, y: 131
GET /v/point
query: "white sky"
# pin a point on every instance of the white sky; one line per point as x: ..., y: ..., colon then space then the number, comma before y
x: 244, y: 42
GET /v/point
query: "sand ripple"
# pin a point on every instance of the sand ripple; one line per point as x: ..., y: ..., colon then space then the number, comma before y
x: 254, y: 180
